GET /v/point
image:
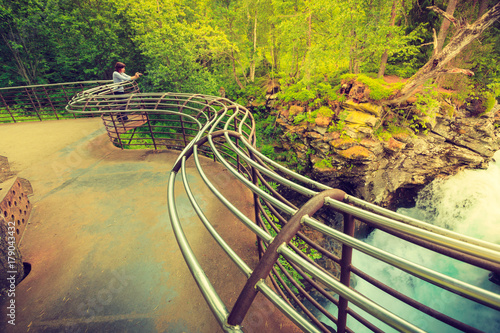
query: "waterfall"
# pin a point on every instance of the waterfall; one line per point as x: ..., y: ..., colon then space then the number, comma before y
x: 468, y: 203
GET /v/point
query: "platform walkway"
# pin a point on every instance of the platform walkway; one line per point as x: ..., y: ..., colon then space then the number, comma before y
x: 103, y: 255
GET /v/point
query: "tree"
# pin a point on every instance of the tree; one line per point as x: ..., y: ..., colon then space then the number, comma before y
x: 443, y: 31
x: 383, y: 61
x: 24, y: 36
x: 89, y: 37
x: 465, y: 34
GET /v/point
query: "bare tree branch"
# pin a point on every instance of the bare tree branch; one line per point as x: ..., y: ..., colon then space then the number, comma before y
x: 436, y: 65
x: 445, y: 14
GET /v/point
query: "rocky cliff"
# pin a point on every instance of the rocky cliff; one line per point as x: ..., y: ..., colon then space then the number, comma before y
x: 362, y: 148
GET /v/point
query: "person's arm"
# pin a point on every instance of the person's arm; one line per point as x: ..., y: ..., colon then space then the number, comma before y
x: 136, y: 76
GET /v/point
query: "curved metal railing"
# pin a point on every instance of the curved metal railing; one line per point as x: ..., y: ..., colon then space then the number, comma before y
x: 305, y: 267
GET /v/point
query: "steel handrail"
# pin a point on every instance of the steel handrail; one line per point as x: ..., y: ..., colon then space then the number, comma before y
x: 420, y: 224
x: 441, y: 280
x: 58, y: 84
x: 447, y: 241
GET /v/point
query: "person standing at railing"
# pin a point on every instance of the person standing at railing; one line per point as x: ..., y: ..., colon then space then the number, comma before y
x: 118, y: 77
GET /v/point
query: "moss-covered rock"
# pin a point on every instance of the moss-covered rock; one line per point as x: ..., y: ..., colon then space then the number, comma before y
x: 369, y: 108
x: 343, y: 143
x: 360, y: 118
x: 295, y: 110
x: 322, y: 121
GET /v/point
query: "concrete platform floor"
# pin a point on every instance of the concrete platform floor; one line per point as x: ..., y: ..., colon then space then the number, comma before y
x: 103, y: 254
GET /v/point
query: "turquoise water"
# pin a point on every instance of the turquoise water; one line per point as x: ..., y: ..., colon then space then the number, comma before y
x: 467, y: 203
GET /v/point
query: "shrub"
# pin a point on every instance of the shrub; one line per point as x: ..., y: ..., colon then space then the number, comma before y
x: 299, y: 118
x: 489, y: 102
x: 325, y: 111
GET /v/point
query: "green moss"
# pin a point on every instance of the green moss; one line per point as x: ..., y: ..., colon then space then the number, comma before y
x: 379, y: 89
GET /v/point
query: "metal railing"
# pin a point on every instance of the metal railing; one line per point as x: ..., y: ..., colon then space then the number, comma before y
x: 40, y: 102
x: 305, y: 267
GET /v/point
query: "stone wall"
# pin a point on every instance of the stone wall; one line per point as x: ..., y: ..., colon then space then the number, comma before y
x: 15, y: 209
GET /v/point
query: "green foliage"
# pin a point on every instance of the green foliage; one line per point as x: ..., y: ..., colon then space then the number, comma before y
x: 383, y: 135
x: 299, y: 118
x: 427, y: 103
x: 339, y: 124
x: 200, y: 46
x: 292, y: 136
x: 267, y: 150
x: 324, y: 163
x: 297, y: 92
x: 316, y: 94
x: 252, y: 93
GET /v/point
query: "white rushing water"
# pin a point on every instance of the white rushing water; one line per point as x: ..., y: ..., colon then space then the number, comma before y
x: 467, y: 203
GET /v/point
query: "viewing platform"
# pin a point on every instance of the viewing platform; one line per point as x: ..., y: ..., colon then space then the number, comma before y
x: 102, y: 252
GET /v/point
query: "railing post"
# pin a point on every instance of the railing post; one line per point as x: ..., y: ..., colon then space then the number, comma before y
x: 183, y: 130
x: 32, y: 102
x: 255, y: 181
x: 236, y: 144
x: 50, y: 101
x: 7, y: 106
x: 345, y: 273
x: 247, y: 295
x: 150, y: 130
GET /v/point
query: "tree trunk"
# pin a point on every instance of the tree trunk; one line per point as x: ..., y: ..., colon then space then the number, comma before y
x: 443, y: 31
x: 436, y: 65
x: 234, y: 71
x: 383, y: 60
x: 254, y: 51
x: 11, y: 264
x: 309, y: 32
x: 275, y: 50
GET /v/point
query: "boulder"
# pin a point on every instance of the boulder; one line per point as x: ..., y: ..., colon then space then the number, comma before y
x: 343, y: 144
x: 357, y: 153
x: 322, y: 121
x: 390, y: 173
x: 394, y: 146
x: 331, y: 136
x: 360, y: 118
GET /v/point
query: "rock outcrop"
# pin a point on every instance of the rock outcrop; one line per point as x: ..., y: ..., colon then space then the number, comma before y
x: 388, y: 170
